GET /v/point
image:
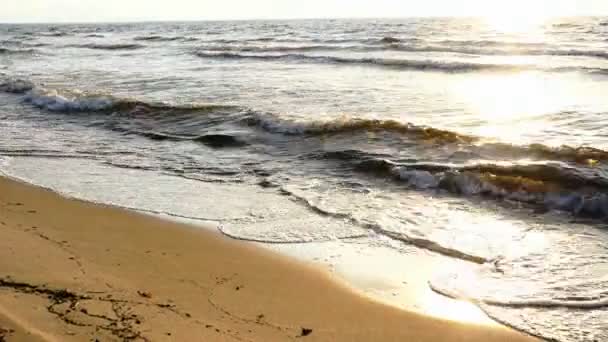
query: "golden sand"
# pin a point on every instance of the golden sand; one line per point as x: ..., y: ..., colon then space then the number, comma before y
x: 76, y: 271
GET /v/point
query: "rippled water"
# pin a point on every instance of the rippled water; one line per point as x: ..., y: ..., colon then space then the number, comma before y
x: 450, y: 135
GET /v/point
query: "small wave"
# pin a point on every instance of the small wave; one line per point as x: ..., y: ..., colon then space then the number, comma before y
x: 77, y: 101
x: 95, y: 35
x: 38, y: 153
x: 379, y: 42
x: 169, y: 114
x: 107, y: 46
x: 276, y: 48
x: 390, y: 40
x: 574, y: 53
x: 13, y: 42
x: 53, y: 34
x: 274, y: 124
x: 581, y: 155
x: 399, y: 64
x: 419, y: 242
x: 406, y: 65
x: 156, y: 38
x: 220, y: 140
x: 211, y: 140
x: 492, y: 43
x: 500, y: 51
x: 542, y: 52
x: 566, y: 25
x: 34, y: 45
x: 56, y: 102
x: 7, y: 51
x: 251, y: 40
x: 434, y: 246
x: 158, y: 136
x: 402, y: 47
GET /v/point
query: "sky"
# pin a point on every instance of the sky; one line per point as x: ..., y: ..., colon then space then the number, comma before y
x: 137, y: 10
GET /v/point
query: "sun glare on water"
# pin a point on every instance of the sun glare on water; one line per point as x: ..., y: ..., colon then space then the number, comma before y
x: 508, y: 24
x: 516, y: 17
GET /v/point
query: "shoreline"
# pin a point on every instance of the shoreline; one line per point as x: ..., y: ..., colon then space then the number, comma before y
x: 74, y: 270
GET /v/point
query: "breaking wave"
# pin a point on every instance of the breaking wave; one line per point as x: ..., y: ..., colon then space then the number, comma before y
x: 78, y: 101
x: 550, y: 186
x: 580, y: 155
x: 560, y: 179
x: 274, y: 124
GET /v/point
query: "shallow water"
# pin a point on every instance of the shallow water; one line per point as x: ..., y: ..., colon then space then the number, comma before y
x: 451, y: 136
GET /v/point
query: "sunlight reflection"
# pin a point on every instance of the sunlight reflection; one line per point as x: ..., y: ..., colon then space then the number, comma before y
x: 509, y: 17
x: 455, y: 310
x: 509, y: 105
x: 518, y: 242
x: 521, y: 24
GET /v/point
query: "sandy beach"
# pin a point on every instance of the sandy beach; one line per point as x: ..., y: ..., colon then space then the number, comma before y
x: 75, y: 271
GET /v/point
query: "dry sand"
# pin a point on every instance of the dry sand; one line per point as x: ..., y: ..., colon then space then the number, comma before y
x: 75, y: 271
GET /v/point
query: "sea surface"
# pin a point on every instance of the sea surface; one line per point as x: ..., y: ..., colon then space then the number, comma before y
x: 457, y: 137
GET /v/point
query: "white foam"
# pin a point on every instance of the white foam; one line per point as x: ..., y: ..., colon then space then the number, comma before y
x: 273, y: 123
x: 246, y: 213
x: 54, y: 101
x: 535, y: 302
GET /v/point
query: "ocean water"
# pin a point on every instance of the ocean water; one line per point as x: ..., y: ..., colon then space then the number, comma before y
x: 458, y: 137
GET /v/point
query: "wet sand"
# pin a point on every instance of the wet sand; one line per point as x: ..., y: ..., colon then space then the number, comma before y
x: 76, y: 271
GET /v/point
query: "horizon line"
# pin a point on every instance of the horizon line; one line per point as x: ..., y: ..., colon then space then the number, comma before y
x: 189, y: 20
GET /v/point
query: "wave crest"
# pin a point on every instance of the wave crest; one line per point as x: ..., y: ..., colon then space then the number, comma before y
x: 405, y: 64
x: 397, y: 45
x: 107, y: 46
x: 548, y: 185
x: 581, y: 155
x: 78, y: 101
x: 156, y: 38
x: 399, y: 64
x: 274, y: 124
x: 576, y: 188
x: 7, y: 51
